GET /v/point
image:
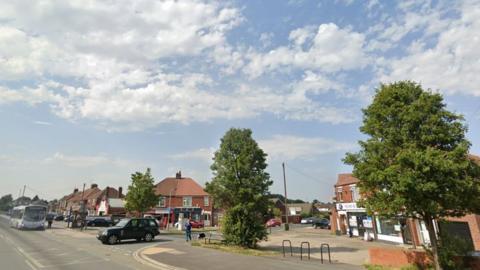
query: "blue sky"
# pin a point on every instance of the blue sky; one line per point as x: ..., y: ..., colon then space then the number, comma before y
x: 91, y: 92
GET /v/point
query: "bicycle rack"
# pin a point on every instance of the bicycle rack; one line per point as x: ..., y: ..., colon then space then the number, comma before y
x: 321, y: 252
x: 301, y: 250
x: 283, y: 247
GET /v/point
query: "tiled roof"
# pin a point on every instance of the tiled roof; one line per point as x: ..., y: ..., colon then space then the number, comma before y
x: 183, y: 186
x: 87, y: 195
x: 346, y: 179
x: 474, y: 158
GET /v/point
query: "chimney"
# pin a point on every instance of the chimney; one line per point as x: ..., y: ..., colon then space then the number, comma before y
x: 179, y: 175
x: 120, y: 189
x: 94, y: 186
x: 75, y: 190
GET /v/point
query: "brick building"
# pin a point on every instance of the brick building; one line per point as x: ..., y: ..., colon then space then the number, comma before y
x: 182, y: 197
x: 90, y: 197
x: 347, y: 217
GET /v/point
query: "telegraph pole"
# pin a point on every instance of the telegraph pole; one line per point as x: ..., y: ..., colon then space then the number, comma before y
x: 286, y: 201
x: 23, y: 193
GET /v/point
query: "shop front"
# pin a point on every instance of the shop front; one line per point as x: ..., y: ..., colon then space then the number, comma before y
x: 394, y: 230
x: 353, y: 220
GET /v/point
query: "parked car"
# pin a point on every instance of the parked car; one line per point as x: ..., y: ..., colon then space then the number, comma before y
x: 273, y: 223
x: 99, y: 222
x: 59, y: 218
x: 309, y: 220
x: 50, y: 216
x: 322, y: 224
x: 196, y: 224
x: 130, y: 228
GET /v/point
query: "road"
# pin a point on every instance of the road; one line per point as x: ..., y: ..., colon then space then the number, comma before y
x: 50, y: 249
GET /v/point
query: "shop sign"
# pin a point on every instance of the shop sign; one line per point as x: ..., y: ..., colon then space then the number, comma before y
x: 347, y: 206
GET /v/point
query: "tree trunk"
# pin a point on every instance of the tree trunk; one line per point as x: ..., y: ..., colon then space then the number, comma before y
x: 433, y: 241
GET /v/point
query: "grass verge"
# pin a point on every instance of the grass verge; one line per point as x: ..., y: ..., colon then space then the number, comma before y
x: 236, y: 249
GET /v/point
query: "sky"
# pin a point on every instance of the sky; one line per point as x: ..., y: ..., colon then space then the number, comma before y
x: 92, y: 91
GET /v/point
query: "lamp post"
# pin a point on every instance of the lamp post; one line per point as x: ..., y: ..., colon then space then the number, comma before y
x: 169, y: 207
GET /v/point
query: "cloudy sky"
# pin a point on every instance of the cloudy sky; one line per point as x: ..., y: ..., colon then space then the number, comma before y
x: 91, y: 91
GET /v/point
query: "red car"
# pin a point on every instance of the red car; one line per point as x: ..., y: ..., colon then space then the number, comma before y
x: 273, y: 223
x: 196, y: 224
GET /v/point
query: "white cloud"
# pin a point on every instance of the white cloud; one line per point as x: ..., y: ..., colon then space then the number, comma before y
x: 451, y: 64
x: 328, y: 49
x: 42, y: 123
x: 203, y: 154
x: 289, y: 147
x: 82, y: 161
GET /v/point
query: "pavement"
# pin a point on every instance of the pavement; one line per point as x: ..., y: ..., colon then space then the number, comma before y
x: 179, y: 255
x: 343, y: 249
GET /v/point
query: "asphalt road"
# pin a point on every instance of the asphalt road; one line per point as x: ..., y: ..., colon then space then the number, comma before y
x: 48, y: 249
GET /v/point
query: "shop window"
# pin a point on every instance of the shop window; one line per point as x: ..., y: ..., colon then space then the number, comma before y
x: 388, y: 227
x: 187, y: 201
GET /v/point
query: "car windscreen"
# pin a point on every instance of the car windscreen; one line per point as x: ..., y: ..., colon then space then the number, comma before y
x: 122, y: 222
x: 34, y: 214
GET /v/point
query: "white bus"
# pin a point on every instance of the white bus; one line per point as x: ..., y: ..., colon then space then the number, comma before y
x: 28, y: 217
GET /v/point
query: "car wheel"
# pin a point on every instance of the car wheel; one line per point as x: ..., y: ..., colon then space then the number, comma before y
x: 112, y: 239
x: 148, y: 237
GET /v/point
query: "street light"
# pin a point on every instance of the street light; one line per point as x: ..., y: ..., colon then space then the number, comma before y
x: 169, y: 207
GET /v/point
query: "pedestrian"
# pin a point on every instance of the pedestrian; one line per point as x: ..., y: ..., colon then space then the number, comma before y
x: 188, y: 231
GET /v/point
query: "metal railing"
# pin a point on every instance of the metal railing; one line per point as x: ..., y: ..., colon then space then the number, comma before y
x: 301, y: 250
x: 321, y: 252
x: 283, y: 247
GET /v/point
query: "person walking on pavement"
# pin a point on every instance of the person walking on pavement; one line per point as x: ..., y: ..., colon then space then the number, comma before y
x: 188, y: 230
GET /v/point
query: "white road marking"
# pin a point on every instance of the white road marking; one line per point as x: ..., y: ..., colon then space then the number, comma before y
x: 30, y: 264
x: 30, y: 258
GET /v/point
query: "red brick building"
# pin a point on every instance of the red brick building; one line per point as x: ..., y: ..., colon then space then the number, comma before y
x: 182, y: 197
x: 91, y: 197
x: 348, y: 217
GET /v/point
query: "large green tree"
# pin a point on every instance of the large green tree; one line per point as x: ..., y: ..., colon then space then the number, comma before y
x: 6, y: 202
x: 415, y: 160
x: 141, y: 194
x: 240, y: 186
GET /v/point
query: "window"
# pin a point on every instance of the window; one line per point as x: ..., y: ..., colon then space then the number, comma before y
x: 187, y: 201
x: 206, y: 201
x: 161, y: 201
x: 355, y: 194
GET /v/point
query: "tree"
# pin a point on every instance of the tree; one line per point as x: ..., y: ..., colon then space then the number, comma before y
x: 6, y: 202
x: 141, y: 195
x: 240, y: 186
x: 415, y: 159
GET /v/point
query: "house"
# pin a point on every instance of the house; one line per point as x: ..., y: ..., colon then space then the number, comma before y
x: 111, y: 207
x: 90, y: 199
x: 182, y: 197
x: 63, y: 203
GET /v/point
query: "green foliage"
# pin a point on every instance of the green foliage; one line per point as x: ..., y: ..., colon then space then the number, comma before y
x: 277, y: 213
x: 240, y: 186
x: 415, y: 159
x: 305, y: 215
x: 452, y: 250
x: 6, y: 202
x: 141, y: 195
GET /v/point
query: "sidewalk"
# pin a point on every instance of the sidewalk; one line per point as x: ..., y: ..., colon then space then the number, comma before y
x: 181, y: 255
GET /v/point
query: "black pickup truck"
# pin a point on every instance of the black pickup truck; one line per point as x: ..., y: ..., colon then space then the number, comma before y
x: 130, y: 228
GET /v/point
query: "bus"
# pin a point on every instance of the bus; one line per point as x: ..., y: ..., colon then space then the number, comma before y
x: 28, y: 217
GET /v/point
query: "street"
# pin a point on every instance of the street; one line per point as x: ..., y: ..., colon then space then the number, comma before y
x: 48, y: 250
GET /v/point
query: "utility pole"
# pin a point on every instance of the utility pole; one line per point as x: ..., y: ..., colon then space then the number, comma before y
x: 286, y: 200
x: 23, y: 193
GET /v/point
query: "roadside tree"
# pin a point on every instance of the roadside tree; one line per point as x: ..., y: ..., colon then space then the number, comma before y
x: 141, y: 195
x: 6, y: 202
x: 240, y: 186
x: 415, y: 159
